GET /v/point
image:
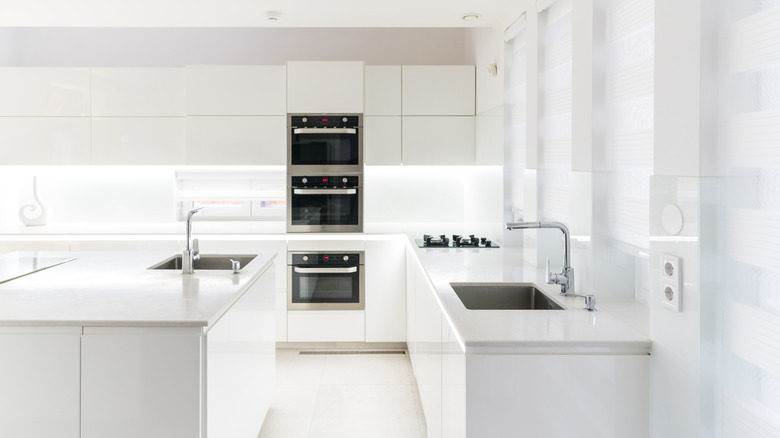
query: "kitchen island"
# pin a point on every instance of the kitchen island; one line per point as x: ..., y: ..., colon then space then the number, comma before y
x: 103, y: 346
x: 550, y: 373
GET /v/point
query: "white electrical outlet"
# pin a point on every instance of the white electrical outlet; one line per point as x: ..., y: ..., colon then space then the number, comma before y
x: 671, y: 282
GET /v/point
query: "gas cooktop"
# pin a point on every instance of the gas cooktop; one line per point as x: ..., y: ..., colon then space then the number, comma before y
x: 457, y: 241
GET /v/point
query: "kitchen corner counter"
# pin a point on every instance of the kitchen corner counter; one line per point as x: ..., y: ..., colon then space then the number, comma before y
x: 116, y: 289
x: 570, y: 331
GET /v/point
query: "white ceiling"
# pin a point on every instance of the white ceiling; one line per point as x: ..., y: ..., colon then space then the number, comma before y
x: 252, y: 13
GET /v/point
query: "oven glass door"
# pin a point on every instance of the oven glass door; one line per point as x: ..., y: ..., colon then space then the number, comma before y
x: 325, y: 287
x: 325, y: 207
x: 325, y: 147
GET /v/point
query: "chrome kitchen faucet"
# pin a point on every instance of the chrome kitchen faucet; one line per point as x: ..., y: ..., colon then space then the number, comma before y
x: 566, y: 277
x: 192, y: 250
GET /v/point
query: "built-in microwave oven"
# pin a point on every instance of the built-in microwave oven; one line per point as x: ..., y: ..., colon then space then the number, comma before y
x: 325, y: 281
x: 324, y: 143
x: 325, y: 203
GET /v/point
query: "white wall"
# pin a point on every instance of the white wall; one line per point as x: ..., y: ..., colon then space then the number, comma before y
x: 177, y: 47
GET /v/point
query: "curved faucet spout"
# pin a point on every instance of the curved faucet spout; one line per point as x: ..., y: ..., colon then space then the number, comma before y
x: 566, y: 278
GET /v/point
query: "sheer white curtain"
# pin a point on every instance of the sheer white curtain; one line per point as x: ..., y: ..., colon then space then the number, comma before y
x: 555, y: 108
x: 748, y: 339
x: 629, y: 130
x: 515, y: 63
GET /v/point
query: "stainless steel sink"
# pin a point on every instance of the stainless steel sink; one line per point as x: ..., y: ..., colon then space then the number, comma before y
x: 207, y: 262
x: 503, y: 296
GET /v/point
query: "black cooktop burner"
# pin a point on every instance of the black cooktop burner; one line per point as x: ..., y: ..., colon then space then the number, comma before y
x: 457, y: 241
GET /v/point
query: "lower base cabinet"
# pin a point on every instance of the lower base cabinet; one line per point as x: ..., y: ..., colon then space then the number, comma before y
x: 326, y: 326
x: 151, y: 382
x: 551, y: 396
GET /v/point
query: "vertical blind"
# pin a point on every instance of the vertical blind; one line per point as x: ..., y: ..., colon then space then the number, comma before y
x: 749, y: 144
x: 515, y: 100
x: 629, y: 129
x: 555, y: 108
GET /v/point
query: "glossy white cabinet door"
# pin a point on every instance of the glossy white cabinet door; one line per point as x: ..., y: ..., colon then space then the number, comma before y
x: 385, y: 291
x: 236, y: 90
x: 382, y: 140
x: 44, y: 140
x: 245, y: 140
x: 559, y: 396
x: 453, y: 384
x: 438, y: 90
x: 428, y: 320
x: 39, y: 382
x: 325, y: 86
x: 240, y: 353
x: 42, y: 91
x: 438, y: 140
x: 138, y: 140
x: 326, y: 326
x: 141, y: 382
x: 137, y: 92
x: 383, y: 90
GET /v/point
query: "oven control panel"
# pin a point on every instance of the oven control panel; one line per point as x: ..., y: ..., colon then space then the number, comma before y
x: 329, y: 259
x: 325, y: 181
x: 325, y: 121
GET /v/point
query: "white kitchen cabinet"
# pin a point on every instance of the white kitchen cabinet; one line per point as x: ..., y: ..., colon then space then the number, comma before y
x: 236, y: 90
x: 240, y: 351
x: 383, y: 90
x: 40, y: 382
x: 245, y: 140
x: 141, y: 382
x: 385, y: 274
x: 382, y: 140
x: 453, y: 384
x: 489, y: 137
x: 438, y: 140
x: 138, y: 92
x: 138, y: 140
x: 44, y: 92
x: 44, y: 140
x: 437, y: 90
x: 325, y: 87
x: 326, y: 326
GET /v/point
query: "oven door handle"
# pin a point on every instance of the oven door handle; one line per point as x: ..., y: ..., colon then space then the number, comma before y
x: 324, y: 191
x: 350, y: 270
x: 324, y: 131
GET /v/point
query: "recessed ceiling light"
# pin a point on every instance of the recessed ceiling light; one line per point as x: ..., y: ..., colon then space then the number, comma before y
x: 272, y: 15
x: 470, y: 17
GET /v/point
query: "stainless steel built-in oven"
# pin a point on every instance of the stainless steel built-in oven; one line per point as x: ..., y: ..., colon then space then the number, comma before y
x: 325, y: 281
x: 325, y: 204
x: 318, y: 143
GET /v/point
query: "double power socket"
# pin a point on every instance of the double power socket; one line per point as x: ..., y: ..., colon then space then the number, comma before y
x: 671, y: 282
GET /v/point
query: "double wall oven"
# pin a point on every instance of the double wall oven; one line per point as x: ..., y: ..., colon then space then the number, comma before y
x: 325, y: 173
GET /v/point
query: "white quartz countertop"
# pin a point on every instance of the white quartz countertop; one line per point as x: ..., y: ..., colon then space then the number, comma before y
x: 570, y: 331
x: 117, y: 289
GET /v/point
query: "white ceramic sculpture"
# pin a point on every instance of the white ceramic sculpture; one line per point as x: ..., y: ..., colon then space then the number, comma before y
x: 35, y: 213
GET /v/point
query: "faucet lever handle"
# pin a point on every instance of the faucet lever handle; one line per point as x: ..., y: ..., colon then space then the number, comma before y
x: 195, y: 249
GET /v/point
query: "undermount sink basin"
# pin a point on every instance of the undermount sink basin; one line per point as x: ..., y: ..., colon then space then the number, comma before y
x: 207, y: 262
x: 503, y: 296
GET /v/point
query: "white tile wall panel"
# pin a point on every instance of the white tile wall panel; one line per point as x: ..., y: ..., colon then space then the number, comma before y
x: 37, y: 91
x: 138, y: 140
x: 237, y: 90
x: 138, y: 92
x: 44, y: 140
x: 246, y: 140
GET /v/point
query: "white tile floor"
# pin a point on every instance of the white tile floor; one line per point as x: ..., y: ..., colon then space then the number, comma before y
x: 344, y: 395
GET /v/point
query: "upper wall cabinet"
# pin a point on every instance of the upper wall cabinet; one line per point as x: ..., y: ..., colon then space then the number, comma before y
x: 44, y: 92
x: 438, y: 140
x: 440, y: 90
x: 383, y: 90
x: 325, y: 86
x: 44, y: 140
x: 135, y: 92
x: 247, y: 90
